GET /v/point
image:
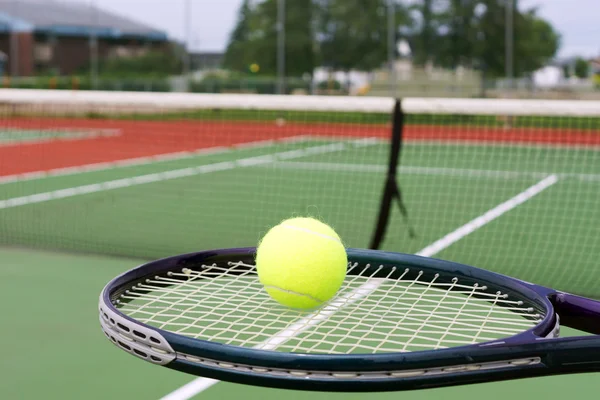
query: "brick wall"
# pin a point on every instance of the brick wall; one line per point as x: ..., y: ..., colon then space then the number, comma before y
x: 23, y: 52
x: 69, y: 54
x: 73, y: 53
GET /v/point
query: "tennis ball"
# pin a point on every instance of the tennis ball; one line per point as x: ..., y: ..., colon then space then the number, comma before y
x: 301, y: 262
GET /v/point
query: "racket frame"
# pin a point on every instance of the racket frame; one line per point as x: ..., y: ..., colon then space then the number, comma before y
x: 534, y: 352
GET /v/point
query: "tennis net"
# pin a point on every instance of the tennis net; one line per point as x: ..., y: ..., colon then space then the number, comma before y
x: 149, y: 175
x: 507, y: 185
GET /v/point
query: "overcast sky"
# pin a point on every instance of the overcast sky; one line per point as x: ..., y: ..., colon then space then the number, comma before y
x: 213, y: 20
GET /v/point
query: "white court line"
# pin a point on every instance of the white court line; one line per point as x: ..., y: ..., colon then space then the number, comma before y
x: 409, y: 142
x: 491, y: 143
x: 270, y: 142
x: 68, y: 134
x: 180, y: 155
x: 200, y: 384
x: 168, y: 175
x: 418, y: 170
x: 488, y: 217
x: 102, y: 166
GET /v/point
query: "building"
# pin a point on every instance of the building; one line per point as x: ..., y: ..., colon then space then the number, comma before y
x: 595, y: 66
x: 206, y: 60
x: 43, y: 36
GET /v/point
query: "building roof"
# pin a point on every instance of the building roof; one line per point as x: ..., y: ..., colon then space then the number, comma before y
x: 70, y: 19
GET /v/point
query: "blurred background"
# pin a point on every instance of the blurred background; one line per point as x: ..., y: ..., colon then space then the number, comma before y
x: 425, y: 48
x: 110, y: 157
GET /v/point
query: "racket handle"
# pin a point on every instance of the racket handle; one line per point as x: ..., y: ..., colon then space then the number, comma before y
x: 578, y: 312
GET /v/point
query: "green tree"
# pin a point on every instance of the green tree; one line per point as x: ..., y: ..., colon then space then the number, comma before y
x: 353, y: 33
x: 491, y: 44
x: 426, y: 45
x: 536, y: 42
x: 582, y: 68
x: 300, y: 37
x: 236, y: 55
x: 472, y: 32
x: 254, y: 40
x: 460, y: 45
x: 261, y: 45
x: 441, y: 31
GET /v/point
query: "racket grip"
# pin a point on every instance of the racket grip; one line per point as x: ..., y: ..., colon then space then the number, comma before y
x: 578, y: 312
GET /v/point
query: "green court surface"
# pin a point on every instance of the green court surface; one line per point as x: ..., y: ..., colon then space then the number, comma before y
x: 55, y: 349
x: 12, y: 136
x: 230, y: 197
x: 20, y: 135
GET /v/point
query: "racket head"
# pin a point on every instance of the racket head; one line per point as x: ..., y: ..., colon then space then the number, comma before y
x: 274, y: 366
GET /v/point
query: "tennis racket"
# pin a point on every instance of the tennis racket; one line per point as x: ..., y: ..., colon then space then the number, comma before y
x: 399, y: 322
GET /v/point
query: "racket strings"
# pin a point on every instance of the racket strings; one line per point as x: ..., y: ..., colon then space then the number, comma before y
x: 345, y: 319
x: 426, y: 320
x: 370, y: 314
x: 492, y: 305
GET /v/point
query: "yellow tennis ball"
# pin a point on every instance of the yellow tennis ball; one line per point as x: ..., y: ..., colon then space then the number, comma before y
x: 301, y: 262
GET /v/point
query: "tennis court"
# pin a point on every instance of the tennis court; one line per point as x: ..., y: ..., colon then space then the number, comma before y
x: 521, y: 201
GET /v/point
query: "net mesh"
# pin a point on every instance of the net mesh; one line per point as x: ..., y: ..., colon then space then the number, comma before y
x: 185, y: 172
x: 150, y: 175
x: 369, y: 315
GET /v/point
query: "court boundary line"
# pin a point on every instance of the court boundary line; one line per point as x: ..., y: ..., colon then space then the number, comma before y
x: 415, y: 141
x: 71, y: 134
x: 432, y: 171
x: 180, y: 155
x: 497, y: 143
x: 145, y: 160
x: 172, y: 174
x: 200, y: 384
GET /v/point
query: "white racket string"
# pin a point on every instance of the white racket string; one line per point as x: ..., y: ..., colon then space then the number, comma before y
x: 407, y: 311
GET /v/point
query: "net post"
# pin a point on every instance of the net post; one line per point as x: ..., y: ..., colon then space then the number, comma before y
x: 391, y: 189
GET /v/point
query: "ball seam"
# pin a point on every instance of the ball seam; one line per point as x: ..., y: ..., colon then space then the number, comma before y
x: 295, y: 293
x: 306, y: 230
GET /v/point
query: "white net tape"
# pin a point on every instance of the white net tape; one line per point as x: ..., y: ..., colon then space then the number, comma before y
x: 369, y: 315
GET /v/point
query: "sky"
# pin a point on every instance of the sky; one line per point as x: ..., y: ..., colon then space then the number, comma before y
x: 211, y: 21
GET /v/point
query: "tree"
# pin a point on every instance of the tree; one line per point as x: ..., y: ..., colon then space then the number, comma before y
x: 300, y: 57
x: 472, y: 32
x: 491, y: 45
x: 462, y: 33
x: 236, y: 56
x: 262, y: 43
x: 255, y: 38
x: 353, y: 33
x: 535, y: 40
x: 426, y: 38
x: 536, y: 43
x: 582, y: 68
x: 442, y: 31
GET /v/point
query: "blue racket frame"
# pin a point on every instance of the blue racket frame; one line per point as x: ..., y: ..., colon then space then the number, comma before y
x: 532, y: 353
